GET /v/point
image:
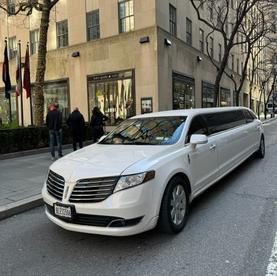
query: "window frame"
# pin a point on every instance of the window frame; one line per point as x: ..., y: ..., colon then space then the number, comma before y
x: 65, y: 35
x: 120, y: 19
x: 96, y: 26
x: 201, y: 40
x: 172, y: 23
x: 188, y: 31
x: 12, y: 51
x: 32, y: 43
x: 211, y: 46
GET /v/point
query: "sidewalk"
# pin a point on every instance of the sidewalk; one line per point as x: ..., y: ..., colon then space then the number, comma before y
x: 21, y: 179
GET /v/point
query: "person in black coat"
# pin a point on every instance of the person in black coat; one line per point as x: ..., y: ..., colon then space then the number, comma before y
x: 97, y: 124
x: 76, y: 123
x: 54, y: 124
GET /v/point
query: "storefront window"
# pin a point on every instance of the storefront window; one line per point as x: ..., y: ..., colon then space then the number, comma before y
x: 183, y: 92
x: 208, y: 95
x: 225, y: 97
x: 56, y: 92
x: 114, y: 94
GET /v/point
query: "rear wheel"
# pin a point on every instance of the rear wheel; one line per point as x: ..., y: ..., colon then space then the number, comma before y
x: 260, y: 153
x: 174, y: 207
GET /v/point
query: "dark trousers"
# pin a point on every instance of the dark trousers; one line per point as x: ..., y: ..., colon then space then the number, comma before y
x: 77, y: 138
x: 55, y: 136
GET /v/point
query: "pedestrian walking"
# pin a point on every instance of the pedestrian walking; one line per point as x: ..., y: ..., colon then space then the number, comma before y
x: 76, y: 123
x: 54, y: 124
x: 97, y: 124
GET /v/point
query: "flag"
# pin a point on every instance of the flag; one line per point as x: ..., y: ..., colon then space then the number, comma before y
x: 26, y: 77
x: 18, y: 88
x: 6, y: 74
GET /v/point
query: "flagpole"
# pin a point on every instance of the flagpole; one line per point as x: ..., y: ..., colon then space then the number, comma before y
x: 20, y: 85
x: 10, y: 103
x: 31, y: 102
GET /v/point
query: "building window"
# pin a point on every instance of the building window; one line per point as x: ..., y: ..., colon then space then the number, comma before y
x: 12, y: 47
x: 11, y: 6
x: 208, y: 95
x: 219, y: 52
x: 201, y: 40
x: 114, y: 94
x: 172, y: 20
x: 183, y: 92
x: 225, y: 97
x: 34, y: 38
x: 188, y: 31
x: 232, y: 62
x: 93, y: 27
x: 56, y: 92
x: 211, y: 47
x: 126, y: 16
x: 62, y: 34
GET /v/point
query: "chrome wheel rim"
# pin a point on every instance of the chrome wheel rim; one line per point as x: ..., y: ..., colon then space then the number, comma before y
x: 178, y: 204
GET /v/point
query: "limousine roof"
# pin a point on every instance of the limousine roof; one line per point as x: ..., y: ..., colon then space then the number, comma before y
x: 188, y: 112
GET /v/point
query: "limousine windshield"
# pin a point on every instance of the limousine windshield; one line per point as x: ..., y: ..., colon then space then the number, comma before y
x: 147, y: 131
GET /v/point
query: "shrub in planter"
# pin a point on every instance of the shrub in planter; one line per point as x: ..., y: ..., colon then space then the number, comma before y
x: 18, y: 139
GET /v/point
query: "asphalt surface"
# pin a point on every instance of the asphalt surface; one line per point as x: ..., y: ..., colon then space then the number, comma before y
x: 230, y: 231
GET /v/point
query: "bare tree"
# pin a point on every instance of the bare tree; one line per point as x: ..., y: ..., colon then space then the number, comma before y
x: 228, y: 21
x: 26, y: 8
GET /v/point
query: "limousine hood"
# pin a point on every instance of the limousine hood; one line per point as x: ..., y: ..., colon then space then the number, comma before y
x: 102, y: 160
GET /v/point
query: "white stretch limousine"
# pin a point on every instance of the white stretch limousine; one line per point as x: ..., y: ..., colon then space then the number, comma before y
x: 147, y: 171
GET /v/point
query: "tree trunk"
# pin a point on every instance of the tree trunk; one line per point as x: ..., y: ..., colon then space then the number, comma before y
x: 41, y: 65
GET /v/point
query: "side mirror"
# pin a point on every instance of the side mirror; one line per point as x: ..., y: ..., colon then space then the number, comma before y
x: 198, y: 139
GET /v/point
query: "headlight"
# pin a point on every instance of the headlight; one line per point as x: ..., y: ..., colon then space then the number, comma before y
x: 130, y: 181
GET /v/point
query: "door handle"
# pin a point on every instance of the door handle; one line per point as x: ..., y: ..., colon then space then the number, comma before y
x: 212, y: 147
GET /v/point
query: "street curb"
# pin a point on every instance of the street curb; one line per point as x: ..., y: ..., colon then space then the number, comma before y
x: 20, y: 206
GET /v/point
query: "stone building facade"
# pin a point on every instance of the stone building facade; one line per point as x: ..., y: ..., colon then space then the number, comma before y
x: 125, y: 56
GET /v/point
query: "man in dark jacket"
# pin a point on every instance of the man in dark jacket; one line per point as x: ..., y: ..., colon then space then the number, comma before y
x: 97, y: 124
x: 76, y: 123
x: 54, y: 124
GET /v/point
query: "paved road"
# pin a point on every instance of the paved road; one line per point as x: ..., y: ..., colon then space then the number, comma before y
x: 231, y: 231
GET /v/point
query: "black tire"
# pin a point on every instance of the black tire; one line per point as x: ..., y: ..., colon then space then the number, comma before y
x: 166, y: 223
x: 260, y: 153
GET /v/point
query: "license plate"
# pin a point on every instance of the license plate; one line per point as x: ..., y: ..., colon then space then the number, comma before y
x: 63, y: 211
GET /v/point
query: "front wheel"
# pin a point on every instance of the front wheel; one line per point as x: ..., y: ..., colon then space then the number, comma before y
x: 174, y: 207
x: 260, y: 153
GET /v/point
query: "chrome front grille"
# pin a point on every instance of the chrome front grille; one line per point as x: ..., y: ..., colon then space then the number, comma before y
x: 93, y: 190
x: 55, y: 185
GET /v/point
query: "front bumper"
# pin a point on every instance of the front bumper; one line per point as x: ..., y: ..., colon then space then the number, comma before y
x: 130, y: 211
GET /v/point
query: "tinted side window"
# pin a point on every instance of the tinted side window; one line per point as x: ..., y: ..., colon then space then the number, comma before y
x: 248, y: 116
x: 252, y: 114
x: 197, y: 126
x: 221, y: 121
